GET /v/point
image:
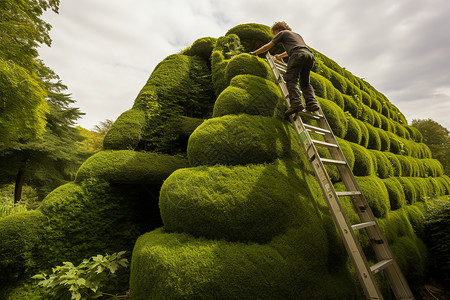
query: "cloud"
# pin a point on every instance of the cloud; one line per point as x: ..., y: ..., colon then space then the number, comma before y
x: 105, y: 50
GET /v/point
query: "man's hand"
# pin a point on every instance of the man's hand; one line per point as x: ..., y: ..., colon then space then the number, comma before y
x: 278, y: 56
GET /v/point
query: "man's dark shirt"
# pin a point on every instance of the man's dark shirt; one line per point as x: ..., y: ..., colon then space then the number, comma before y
x: 290, y: 40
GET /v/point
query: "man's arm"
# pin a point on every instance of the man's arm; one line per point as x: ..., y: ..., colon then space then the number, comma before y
x: 263, y: 48
x: 280, y: 56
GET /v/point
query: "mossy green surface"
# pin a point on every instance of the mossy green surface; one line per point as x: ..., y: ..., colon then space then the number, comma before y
x: 376, y: 194
x: 363, y: 162
x: 126, y: 131
x: 252, y: 35
x: 126, y: 166
x: 335, y: 116
x: 202, y: 47
x: 354, y: 133
x: 242, y: 139
x: 241, y: 201
x: 397, y: 197
x: 252, y: 95
x: 383, y: 165
x: 249, y: 65
x: 179, y: 266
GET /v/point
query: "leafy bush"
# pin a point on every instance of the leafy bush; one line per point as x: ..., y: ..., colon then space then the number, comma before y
x: 126, y: 166
x: 242, y: 139
x: 84, y: 281
x: 252, y: 95
x: 335, y: 116
x: 363, y: 162
x: 126, y: 132
x: 202, y: 47
x: 247, y: 64
x: 396, y: 194
x: 437, y: 228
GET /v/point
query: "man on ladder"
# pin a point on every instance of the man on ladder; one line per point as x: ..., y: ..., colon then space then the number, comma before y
x: 301, y: 61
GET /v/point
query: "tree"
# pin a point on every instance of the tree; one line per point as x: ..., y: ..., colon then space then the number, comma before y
x: 54, y: 159
x: 437, y: 138
x: 93, y: 139
x: 22, y: 94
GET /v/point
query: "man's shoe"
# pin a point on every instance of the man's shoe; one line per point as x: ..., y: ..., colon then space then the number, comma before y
x: 294, y: 109
x: 312, y: 108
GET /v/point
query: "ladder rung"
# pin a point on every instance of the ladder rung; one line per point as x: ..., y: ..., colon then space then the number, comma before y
x: 348, y: 193
x: 363, y: 225
x: 333, y: 161
x: 316, y: 129
x: 309, y: 115
x: 324, y: 144
x: 381, y: 265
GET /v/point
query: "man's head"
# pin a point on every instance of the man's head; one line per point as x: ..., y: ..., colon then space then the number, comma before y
x: 279, y: 26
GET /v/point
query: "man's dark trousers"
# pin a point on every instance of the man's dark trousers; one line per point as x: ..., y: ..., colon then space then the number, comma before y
x: 300, y: 63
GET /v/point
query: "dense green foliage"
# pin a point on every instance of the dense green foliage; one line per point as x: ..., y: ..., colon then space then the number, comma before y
x: 245, y: 217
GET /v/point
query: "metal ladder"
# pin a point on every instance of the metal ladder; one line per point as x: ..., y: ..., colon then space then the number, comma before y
x: 386, y: 260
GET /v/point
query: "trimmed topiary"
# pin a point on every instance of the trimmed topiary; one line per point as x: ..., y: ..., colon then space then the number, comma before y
x: 374, y: 138
x: 384, y: 168
x: 354, y: 133
x: 385, y: 124
x: 127, y: 166
x: 364, y: 133
x: 21, y: 235
x: 408, y: 188
x: 126, y: 131
x: 421, y: 187
x: 366, y: 115
x: 445, y: 184
x: 397, y: 197
x: 242, y: 139
x: 335, y: 116
x: 251, y: 35
x: 202, y: 47
x: 385, y: 143
x: 241, y: 201
x: 179, y: 266
x: 251, y: 95
x: 319, y: 85
x: 338, y: 81
x: 406, y: 165
x: 376, y: 194
x: 363, y: 162
x: 425, y: 151
x: 432, y: 167
x: 249, y: 65
x: 395, y: 163
x: 351, y: 106
x: 394, y: 143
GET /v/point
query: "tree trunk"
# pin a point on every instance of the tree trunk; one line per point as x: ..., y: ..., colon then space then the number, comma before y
x: 19, y: 184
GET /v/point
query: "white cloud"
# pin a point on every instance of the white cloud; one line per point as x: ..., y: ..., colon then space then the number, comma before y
x: 105, y: 50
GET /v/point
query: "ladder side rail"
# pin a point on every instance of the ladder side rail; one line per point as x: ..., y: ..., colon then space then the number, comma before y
x: 354, y: 249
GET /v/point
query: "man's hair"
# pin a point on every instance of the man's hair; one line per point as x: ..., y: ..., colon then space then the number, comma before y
x: 280, y: 26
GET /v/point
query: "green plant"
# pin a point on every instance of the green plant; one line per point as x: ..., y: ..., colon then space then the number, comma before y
x: 85, y: 280
x: 8, y: 207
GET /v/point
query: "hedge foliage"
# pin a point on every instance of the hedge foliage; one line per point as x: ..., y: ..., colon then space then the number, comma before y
x: 126, y: 131
x: 242, y: 139
x: 132, y: 167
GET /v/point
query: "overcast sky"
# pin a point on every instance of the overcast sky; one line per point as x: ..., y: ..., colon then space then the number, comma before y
x: 105, y: 50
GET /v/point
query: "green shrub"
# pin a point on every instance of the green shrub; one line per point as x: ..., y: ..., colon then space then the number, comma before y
x: 384, y: 139
x: 335, y: 116
x: 421, y: 187
x: 374, y: 138
x: 354, y: 133
x: 417, y: 219
x: 251, y: 95
x: 414, y: 133
x: 350, y: 105
x: 346, y: 149
x: 251, y: 35
x: 406, y: 165
x: 394, y: 143
x: 226, y: 47
x: 247, y: 64
x: 445, y: 184
x: 408, y: 188
x: 395, y: 163
x: 376, y: 105
x: 426, y: 152
x: 180, y: 266
x: 319, y: 85
x: 401, y: 131
x: 367, y: 115
x: 202, y: 47
x: 396, y: 194
x: 363, y: 162
x: 385, y: 124
x: 437, y: 232
x: 376, y: 194
x: 21, y: 235
x: 383, y: 165
x: 366, y: 99
x: 126, y: 132
x: 338, y: 99
x: 241, y: 201
x: 127, y: 166
x: 364, y: 133
x: 242, y: 139
x: 432, y: 167
x: 376, y: 119
x: 338, y: 81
